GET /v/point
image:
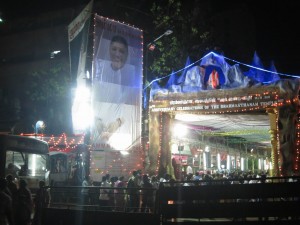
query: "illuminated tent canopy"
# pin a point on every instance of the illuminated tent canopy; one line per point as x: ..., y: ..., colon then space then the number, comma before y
x: 225, y: 104
x: 213, y: 72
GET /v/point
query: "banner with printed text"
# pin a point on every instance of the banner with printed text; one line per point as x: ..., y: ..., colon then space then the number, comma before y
x: 219, y: 102
x: 78, y: 33
x: 117, y: 85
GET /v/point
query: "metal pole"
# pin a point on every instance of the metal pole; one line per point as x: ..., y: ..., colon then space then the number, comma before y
x: 168, y: 32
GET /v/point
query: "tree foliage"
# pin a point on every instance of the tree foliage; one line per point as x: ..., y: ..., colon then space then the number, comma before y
x: 47, y: 97
x: 191, y: 35
x: 198, y: 28
x: 47, y: 85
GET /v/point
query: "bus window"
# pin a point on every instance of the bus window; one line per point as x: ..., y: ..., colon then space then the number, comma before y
x: 12, y: 169
x: 58, y: 164
x: 25, y: 158
x: 25, y: 164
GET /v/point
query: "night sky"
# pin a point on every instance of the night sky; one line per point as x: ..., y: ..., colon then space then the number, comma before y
x: 278, y: 36
x: 277, y: 25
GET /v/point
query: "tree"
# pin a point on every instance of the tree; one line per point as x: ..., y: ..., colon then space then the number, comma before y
x: 47, y: 97
x: 196, y: 31
x: 198, y: 28
x: 191, y: 34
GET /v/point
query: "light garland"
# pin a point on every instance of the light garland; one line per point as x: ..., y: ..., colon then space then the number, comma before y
x: 217, y: 55
x: 296, y: 159
x: 62, y: 144
x: 163, y: 104
x: 160, y: 142
x: 203, y: 105
x: 278, y: 145
x: 118, y: 159
x: 116, y: 162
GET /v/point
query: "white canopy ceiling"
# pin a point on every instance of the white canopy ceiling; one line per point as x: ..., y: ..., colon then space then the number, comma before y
x: 252, y: 128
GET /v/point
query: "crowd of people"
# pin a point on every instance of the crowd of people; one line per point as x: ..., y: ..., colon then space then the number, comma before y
x: 17, y: 207
x: 138, y: 193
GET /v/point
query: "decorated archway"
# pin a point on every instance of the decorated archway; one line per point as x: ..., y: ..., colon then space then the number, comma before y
x: 278, y: 101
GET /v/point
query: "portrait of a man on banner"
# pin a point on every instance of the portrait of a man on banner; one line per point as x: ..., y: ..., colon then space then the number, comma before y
x: 117, y: 85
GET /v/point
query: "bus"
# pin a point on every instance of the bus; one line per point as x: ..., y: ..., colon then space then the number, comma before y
x: 24, y: 158
x: 69, y: 167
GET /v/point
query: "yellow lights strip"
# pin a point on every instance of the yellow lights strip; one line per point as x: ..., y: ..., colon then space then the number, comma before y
x: 217, y: 105
x: 160, y: 142
x: 296, y: 159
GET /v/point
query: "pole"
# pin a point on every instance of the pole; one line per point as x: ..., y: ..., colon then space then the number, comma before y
x: 167, y: 32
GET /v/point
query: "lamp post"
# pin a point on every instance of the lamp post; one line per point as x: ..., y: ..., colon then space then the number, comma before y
x: 151, y: 47
x: 146, y: 91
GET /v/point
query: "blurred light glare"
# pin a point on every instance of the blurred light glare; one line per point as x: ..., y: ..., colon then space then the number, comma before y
x: 33, y: 164
x: 180, y: 130
x: 124, y: 152
x: 120, y: 141
x: 81, y: 110
x: 207, y: 149
x: 88, y: 76
x: 53, y: 53
x: 40, y: 124
x: 242, y: 164
x: 219, y: 161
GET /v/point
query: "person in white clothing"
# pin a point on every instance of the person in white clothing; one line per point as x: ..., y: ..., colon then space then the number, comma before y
x: 116, y: 97
x: 104, y: 194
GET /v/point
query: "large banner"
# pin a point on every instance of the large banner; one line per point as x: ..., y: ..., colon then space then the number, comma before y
x: 117, y: 85
x: 78, y: 31
x: 114, y: 163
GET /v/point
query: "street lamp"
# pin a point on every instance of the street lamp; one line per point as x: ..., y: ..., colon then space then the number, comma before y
x: 151, y: 45
x: 146, y: 91
x: 53, y: 53
x: 39, y: 127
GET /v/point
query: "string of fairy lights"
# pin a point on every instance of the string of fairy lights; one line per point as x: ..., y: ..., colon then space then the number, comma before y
x: 296, y: 163
x: 63, y: 143
x: 66, y: 144
x: 119, y: 160
x: 278, y: 145
x: 277, y: 104
x: 71, y: 144
x: 160, y: 141
x: 229, y: 59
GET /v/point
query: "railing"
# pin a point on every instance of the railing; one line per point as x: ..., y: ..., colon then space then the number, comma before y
x: 272, y: 201
x: 103, y: 198
x: 81, y: 205
x: 268, y: 201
